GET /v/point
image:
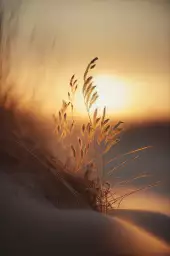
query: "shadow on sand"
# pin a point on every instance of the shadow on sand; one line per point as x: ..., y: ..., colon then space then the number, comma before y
x: 155, y: 223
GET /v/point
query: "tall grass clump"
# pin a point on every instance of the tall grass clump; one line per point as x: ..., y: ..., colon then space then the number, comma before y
x: 95, y: 139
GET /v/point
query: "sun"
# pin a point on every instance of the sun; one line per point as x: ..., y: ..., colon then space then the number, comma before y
x: 113, y: 92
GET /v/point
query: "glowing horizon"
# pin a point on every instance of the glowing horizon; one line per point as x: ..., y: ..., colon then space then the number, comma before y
x: 129, y: 100
x: 131, y: 39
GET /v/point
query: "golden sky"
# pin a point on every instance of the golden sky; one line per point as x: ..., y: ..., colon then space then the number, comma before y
x: 57, y: 38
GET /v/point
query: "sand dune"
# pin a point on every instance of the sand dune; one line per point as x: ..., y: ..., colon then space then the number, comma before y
x: 154, y: 223
x: 139, y: 242
x: 32, y: 202
x: 32, y: 226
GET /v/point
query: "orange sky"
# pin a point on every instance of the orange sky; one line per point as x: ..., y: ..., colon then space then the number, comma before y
x: 131, y: 38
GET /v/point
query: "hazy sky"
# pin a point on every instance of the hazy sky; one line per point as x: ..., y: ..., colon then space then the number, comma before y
x: 131, y: 39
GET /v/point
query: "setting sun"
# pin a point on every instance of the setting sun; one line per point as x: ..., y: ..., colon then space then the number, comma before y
x: 112, y: 91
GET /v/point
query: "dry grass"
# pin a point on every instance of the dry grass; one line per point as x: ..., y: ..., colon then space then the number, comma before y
x: 98, y: 135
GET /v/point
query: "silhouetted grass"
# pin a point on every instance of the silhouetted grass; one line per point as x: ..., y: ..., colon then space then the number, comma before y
x: 94, y: 141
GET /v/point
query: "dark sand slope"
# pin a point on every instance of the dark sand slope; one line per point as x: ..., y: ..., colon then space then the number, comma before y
x: 139, y: 242
x: 156, y: 224
x: 32, y: 226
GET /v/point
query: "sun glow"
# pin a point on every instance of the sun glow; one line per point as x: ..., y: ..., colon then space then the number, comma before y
x: 113, y: 93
